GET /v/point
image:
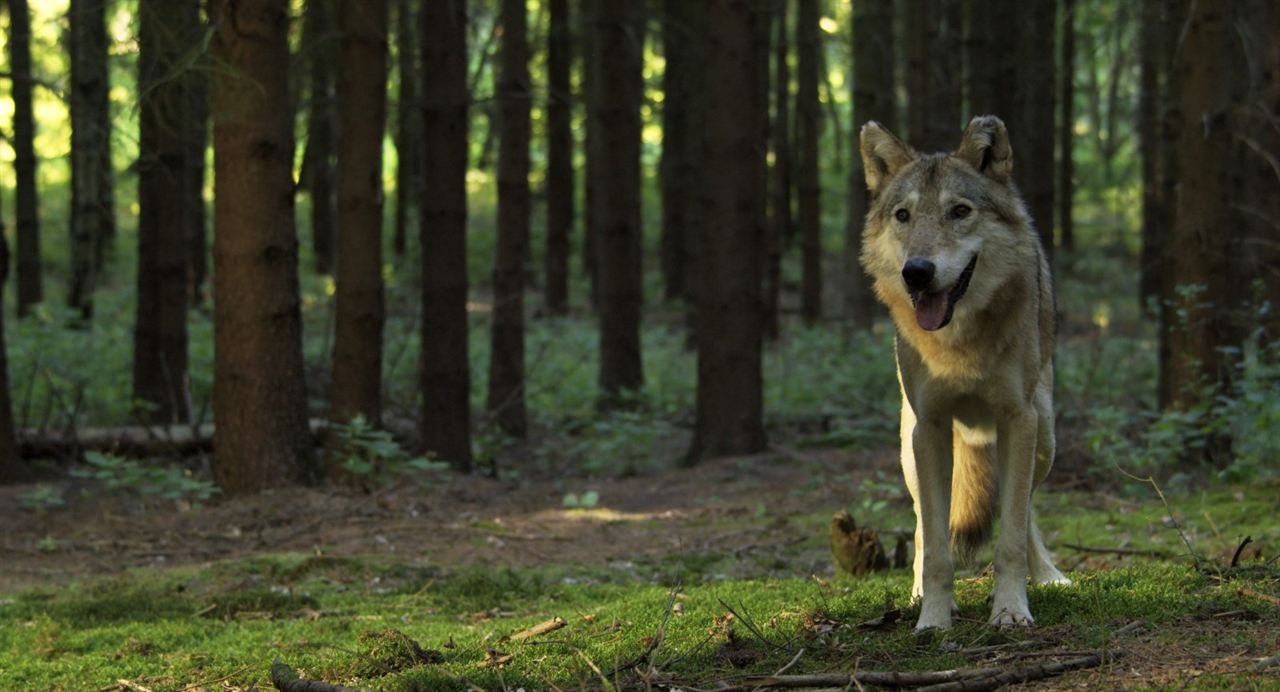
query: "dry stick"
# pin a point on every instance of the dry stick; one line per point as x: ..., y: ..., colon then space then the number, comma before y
x: 206, y: 683
x: 1018, y: 675
x: 551, y: 625
x: 1150, y: 480
x: 1116, y: 551
x: 1235, y: 559
x: 1259, y: 595
x: 960, y: 679
x: 286, y: 679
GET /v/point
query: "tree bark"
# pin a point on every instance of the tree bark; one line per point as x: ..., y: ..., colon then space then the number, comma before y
x: 619, y: 43
x: 168, y: 29
x: 873, y: 99
x: 1154, y: 227
x: 92, y: 217
x: 1066, y: 126
x: 730, y: 384
x: 409, y: 124
x: 1172, y: 18
x: 678, y: 167
x: 360, y: 313
x: 808, y: 129
x: 992, y: 79
x: 933, y: 75
x: 12, y: 470
x: 560, y: 203
x: 197, y: 142
x: 1033, y: 135
x: 30, y: 283
x: 1205, y: 254
x: 446, y: 373
x: 781, y: 222
x: 259, y: 393
x: 320, y: 45
x: 590, y: 94
x: 506, y: 357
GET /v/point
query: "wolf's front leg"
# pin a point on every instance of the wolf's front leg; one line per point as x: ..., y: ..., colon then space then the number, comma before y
x: 1016, y: 442
x: 935, y: 572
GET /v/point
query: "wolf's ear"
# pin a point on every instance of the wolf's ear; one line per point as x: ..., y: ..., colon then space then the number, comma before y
x: 985, y: 145
x: 883, y: 155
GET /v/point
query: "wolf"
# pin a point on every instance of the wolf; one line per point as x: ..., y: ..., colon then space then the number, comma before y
x: 953, y: 254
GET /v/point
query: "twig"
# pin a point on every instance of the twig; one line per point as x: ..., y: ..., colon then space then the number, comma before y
x: 551, y: 625
x: 1000, y: 678
x: 1129, y: 628
x: 653, y: 643
x: 752, y: 626
x: 790, y: 663
x: 286, y: 679
x: 1116, y: 551
x: 1150, y: 480
x: 130, y: 685
x: 206, y: 683
x: 1259, y: 595
x: 1266, y: 663
x: 1235, y: 558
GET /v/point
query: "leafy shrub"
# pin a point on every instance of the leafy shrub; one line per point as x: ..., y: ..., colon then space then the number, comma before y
x: 121, y: 475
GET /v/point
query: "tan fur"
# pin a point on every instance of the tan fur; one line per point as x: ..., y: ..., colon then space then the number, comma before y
x: 977, y: 392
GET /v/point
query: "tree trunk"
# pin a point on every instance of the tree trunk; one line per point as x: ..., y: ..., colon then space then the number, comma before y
x: 992, y: 79
x: 320, y: 45
x: 1066, y: 125
x: 197, y: 142
x: 873, y: 99
x: 619, y: 43
x: 1172, y: 18
x: 259, y: 393
x: 1205, y: 248
x: 12, y: 470
x: 409, y: 130
x: 92, y: 218
x: 506, y: 357
x: 359, y: 314
x: 781, y: 221
x: 168, y: 28
x: 1033, y: 131
x: 933, y: 75
x: 590, y: 94
x: 729, y: 399
x: 1154, y: 228
x: 446, y: 373
x: 30, y: 290
x: 679, y: 160
x: 560, y: 204
x: 808, y: 129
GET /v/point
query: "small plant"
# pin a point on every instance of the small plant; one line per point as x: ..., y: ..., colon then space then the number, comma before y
x: 119, y: 474
x: 41, y: 498
x: 370, y: 453
x: 586, y: 500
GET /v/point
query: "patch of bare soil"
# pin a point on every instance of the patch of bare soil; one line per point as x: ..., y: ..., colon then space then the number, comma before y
x: 723, y: 505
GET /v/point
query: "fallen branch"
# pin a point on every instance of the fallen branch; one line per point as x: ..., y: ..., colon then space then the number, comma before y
x: 1261, y: 596
x: 541, y: 628
x: 1117, y: 551
x: 1000, y: 678
x: 286, y: 679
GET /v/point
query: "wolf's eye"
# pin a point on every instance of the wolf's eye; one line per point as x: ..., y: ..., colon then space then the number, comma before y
x: 902, y: 215
x: 960, y: 211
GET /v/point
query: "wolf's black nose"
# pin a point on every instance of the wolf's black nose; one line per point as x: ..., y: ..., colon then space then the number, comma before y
x: 918, y: 273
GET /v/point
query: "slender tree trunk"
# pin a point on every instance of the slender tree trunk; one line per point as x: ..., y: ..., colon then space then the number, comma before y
x: 446, y: 373
x: 1172, y: 18
x: 1154, y: 228
x: 167, y: 30
x: 560, y: 204
x: 619, y: 44
x: 92, y: 218
x: 992, y: 81
x: 1066, y: 125
x: 730, y: 329
x: 1205, y: 243
x: 320, y: 44
x: 808, y: 127
x: 30, y: 284
x: 506, y: 357
x: 679, y: 160
x: 590, y: 94
x: 359, y: 316
x: 260, y: 402
x: 1034, y: 130
x: 197, y: 143
x: 409, y: 131
x: 873, y: 99
x: 782, y: 221
x: 12, y: 470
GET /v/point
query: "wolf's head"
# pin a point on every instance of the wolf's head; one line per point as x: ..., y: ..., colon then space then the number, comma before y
x: 943, y: 227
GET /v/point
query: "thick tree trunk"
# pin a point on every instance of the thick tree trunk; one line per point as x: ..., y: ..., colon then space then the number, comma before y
x: 446, y: 373
x: 1033, y: 135
x: 1172, y: 18
x: 678, y: 166
x: 30, y: 284
x: 619, y: 43
x: 92, y: 218
x: 506, y: 357
x: 409, y: 129
x: 1205, y: 250
x: 1154, y: 225
x: 992, y: 80
x: 359, y: 315
x: 781, y: 222
x: 12, y: 470
x: 320, y: 44
x: 934, y: 73
x: 873, y: 99
x: 729, y: 399
x: 1066, y: 125
x: 560, y: 203
x: 590, y: 94
x: 259, y: 393
x: 808, y: 130
x: 197, y: 143
x: 167, y: 30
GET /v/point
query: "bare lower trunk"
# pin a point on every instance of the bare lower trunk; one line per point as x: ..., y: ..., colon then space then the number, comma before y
x: 259, y: 394
x: 92, y: 219
x: 12, y: 469
x: 808, y: 129
x: 30, y: 290
x: 1066, y: 126
x: 560, y: 203
x: 320, y: 47
x: 409, y: 132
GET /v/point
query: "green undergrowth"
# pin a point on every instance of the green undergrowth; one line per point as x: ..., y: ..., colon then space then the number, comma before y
x: 379, y: 623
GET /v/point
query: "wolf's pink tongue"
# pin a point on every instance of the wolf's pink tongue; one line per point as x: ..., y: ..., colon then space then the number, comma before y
x: 931, y: 310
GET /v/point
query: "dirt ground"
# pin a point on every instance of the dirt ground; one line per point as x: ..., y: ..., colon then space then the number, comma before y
x: 726, y: 504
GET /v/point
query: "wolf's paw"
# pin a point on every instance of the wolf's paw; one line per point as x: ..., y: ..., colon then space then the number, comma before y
x: 1006, y: 618
x: 933, y: 623
x: 1057, y: 579
x: 934, y: 617
x: 1048, y: 574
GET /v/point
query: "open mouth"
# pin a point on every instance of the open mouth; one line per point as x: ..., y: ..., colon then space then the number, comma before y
x: 934, y: 310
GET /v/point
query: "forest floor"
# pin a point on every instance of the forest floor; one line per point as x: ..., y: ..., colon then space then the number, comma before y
x: 699, y: 577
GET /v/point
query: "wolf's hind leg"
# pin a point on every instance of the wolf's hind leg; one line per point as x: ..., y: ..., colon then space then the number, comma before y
x: 1043, y: 571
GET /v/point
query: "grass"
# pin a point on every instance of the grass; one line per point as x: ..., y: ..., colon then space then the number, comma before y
x: 352, y: 620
